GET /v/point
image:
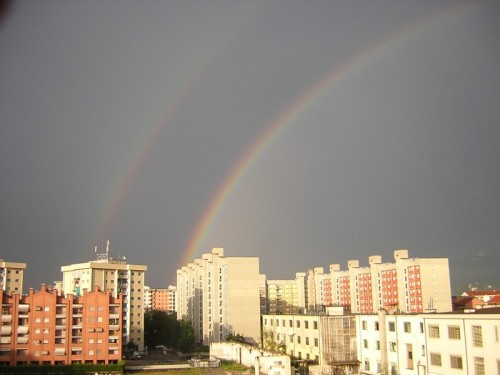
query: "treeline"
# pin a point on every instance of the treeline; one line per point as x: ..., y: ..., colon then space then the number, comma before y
x: 161, y: 328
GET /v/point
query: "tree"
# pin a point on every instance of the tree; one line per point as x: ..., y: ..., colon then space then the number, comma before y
x: 269, y: 343
x: 236, y: 337
x: 186, y: 336
x: 160, y: 328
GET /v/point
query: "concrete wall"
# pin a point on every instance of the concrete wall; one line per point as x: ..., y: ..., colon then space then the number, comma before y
x: 263, y: 361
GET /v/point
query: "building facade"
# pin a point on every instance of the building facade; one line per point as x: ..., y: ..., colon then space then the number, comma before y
x: 220, y: 295
x: 118, y: 277
x: 46, y: 328
x: 409, y: 285
x: 162, y: 299
x: 11, y: 276
x: 316, y: 339
x: 286, y: 296
x: 430, y: 344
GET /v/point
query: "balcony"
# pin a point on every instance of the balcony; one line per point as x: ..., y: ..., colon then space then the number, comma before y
x: 24, y: 308
x: 6, y: 331
x: 22, y: 340
x: 5, y: 340
x: 60, y: 351
x: 22, y: 330
x: 6, y: 318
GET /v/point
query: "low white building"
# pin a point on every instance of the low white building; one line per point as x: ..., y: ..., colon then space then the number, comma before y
x: 429, y: 344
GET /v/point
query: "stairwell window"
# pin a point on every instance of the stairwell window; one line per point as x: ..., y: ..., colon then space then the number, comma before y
x: 477, y: 336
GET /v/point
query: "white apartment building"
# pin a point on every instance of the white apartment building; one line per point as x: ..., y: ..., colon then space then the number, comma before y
x: 11, y: 276
x: 466, y: 343
x: 391, y: 343
x: 409, y: 285
x: 220, y: 295
x: 430, y: 344
x: 118, y: 277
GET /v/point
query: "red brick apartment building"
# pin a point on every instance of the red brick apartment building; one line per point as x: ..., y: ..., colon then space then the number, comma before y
x: 46, y: 328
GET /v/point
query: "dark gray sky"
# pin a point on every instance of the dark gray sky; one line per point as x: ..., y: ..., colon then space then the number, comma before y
x: 123, y: 119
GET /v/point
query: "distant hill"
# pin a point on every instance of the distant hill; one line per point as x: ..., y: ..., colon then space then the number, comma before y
x: 480, y: 271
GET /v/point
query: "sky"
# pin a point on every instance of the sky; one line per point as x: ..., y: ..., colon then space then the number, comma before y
x: 306, y: 133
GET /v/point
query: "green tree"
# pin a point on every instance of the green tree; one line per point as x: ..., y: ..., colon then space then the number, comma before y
x: 160, y: 328
x: 272, y: 344
x: 186, y: 336
x: 236, y: 337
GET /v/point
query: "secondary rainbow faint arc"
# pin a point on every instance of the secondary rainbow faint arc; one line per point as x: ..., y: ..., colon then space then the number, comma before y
x: 291, y: 112
x: 108, y: 216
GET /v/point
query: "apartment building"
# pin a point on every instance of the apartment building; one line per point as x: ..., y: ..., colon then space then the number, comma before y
x: 162, y: 299
x: 410, y: 285
x: 316, y: 339
x: 11, y: 276
x: 220, y: 295
x: 44, y: 327
x: 118, y: 277
x: 433, y: 344
x: 299, y: 333
x: 463, y: 343
x: 286, y: 296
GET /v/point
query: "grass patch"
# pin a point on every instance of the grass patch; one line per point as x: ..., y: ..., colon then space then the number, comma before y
x: 233, y: 366
x: 194, y: 371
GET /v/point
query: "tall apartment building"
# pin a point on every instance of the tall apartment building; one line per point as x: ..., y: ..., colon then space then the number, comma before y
x: 11, y: 276
x: 160, y: 298
x: 220, y: 295
x: 411, y: 285
x: 46, y: 328
x: 286, y: 296
x: 118, y: 277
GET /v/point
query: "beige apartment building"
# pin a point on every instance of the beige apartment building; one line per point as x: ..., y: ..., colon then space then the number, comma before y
x: 410, y: 285
x: 286, y: 296
x: 220, y: 295
x: 120, y: 278
x: 11, y: 276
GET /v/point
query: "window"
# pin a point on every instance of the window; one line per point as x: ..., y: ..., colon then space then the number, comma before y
x: 435, y: 359
x: 392, y: 327
x: 307, y: 340
x: 479, y: 365
x: 421, y: 327
x: 316, y: 342
x: 376, y: 326
x: 298, y: 339
x: 306, y: 324
x: 434, y: 332
x: 407, y: 327
x: 315, y: 326
x: 364, y: 325
x: 377, y: 345
x: 454, y: 332
x: 477, y: 336
x: 365, y: 343
x: 392, y: 346
x: 298, y: 323
x: 290, y: 323
x: 456, y: 361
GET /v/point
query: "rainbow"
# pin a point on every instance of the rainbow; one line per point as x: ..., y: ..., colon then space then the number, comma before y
x: 147, y: 143
x: 287, y: 117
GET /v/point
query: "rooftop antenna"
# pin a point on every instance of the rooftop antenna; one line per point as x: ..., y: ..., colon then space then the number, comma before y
x: 107, y: 249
